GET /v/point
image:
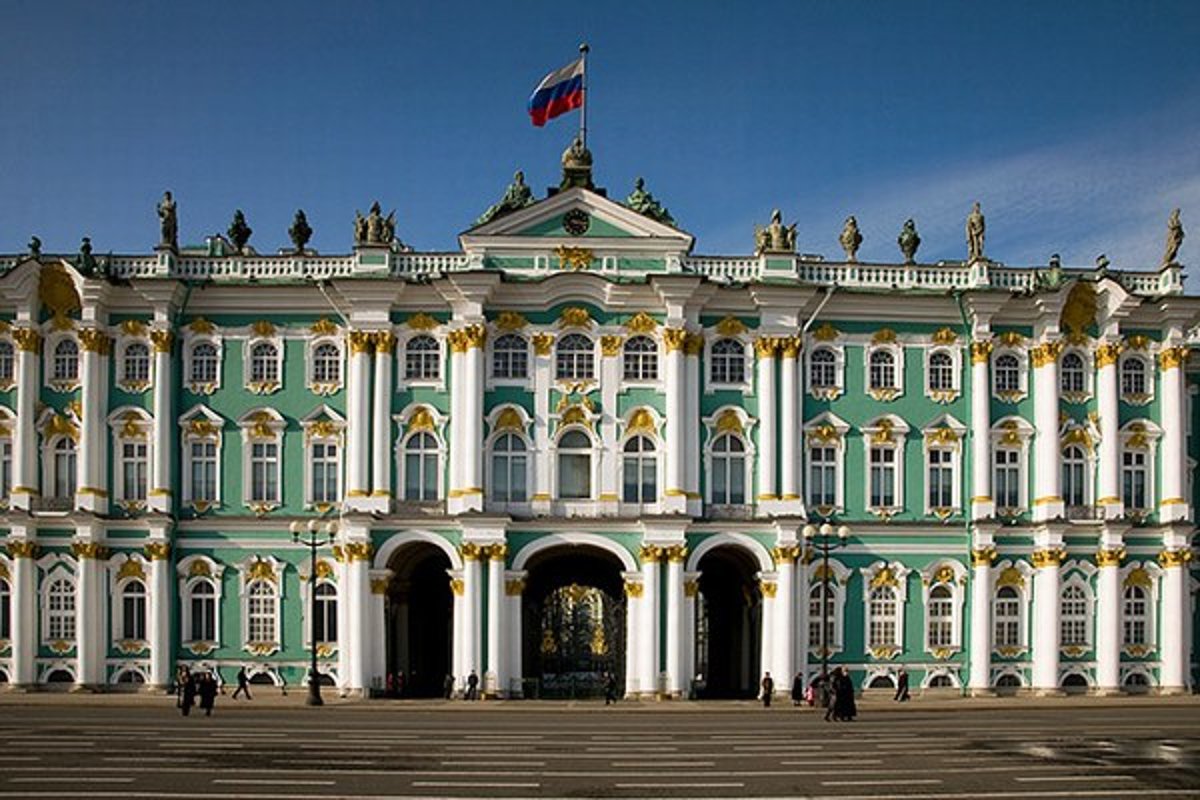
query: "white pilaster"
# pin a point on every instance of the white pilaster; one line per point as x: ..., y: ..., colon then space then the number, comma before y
x: 609, y: 451
x: 160, y: 497
x: 25, y: 458
x: 634, y: 595
x: 784, y: 668
x: 674, y: 500
x: 24, y: 609
x: 800, y: 628
x: 495, y: 680
x: 543, y: 347
x: 765, y: 347
x: 1175, y: 676
x: 691, y: 587
x: 1108, y: 617
x: 982, y: 504
x: 89, y: 613
x: 1048, y: 501
x: 376, y: 627
x: 979, y: 681
x: 514, y: 587
x: 769, y: 585
x: 677, y: 679
x: 92, y: 483
x: 693, y: 347
x: 1046, y: 587
x: 466, y: 419
x: 790, y: 431
x: 457, y: 660
x: 358, y: 599
x: 1108, y: 493
x: 158, y: 626
x: 381, y: 427
x: 358, y: 420
x: 1174, y: 503
x: 648, y: 622
x: 468, y: 633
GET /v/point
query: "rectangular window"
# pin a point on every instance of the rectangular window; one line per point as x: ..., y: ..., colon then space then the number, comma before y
x: 203, y: 480
x: 941, y: 478
x: 134, y: 466
x: 264, y: 472
x: 574, y: 476
x: 1133, y: 479
x: 133, y: 613
x: 6, y: 454
x: 204, y: 619
x: 883, y: 477
x: 1007, y: 478
x: 822, y: 477
x: 324, y: 472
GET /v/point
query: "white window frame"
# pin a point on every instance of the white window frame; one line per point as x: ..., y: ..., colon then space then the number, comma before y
x: 826, y: 430
x: 415, y: 418
x: 192, y: 570
x: 7, y: 382
x: 1022, y: 390
x: 1076, y: 578
x: 208, y: 428
x: 121, y: 575
x: 885, y: 650
x: 656, y: 455
x: 839, y: 371
x: 839, y: 579
x: 593, y: 453
x: 952, y: 393
x: 324, y: 387
x: 945, y: 435
x: 653, y: 355
x: 266, y: 571
x: 953, y: 576
x: 7, y: 444
x: 59, y: 572
x: 580, y: 354
x: 191, y: 342
x: 261, y: 425
x: 1140, y: 435
x: 516, y: 421
x: 1088, y: 474
x: 1149, y: 373
x: 1022, y: 590
x: 715, y: 427
x: 266, y: 385
x: 522, y: 382
x: 896, y: 430
x: 6, y: 604
x: 885, y: 393
x: 130, y: 425
x: 1087, y: 360
x: 746, y: 385
x: 326, y: 580
x: 49, y: 351
x: 1129, y: 577
x: 50, y: 442
x: 323, y: 425
x: 1012, y: 433
x: 135, y: 386
x: 402, y: 342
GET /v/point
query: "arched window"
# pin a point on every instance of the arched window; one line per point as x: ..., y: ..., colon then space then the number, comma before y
x: 941, y: 617
x: 1074, y: 477
x: 421, y: 467
x: 728, y: 471
x: 574, y: 466
x: 63, y: 474
x: 941, y: 681
x: 882, y: 632
x: 7, y: 362
x: 1134, y: 616
x: 822, y: 369
x: 5, y: 610
x: 1008, y: 681
x: 1073, y: 378
x: 261, y: 611
x: 941, y: 372
x: 325, y: 624
x: 264, y: 363
x: 203, y: 612
x: 1073, y: 616
x: 1137, y: 679
x: 60, y: 610
x: 822, y: 476
x: 575, y: 358
x: 882, y: 373
x: 641, y: 359
x: 66, y: 361
x: 815, y: 615
x: 422, y: 359
x: 509, y: 469
x: 1007, y: 618
x: 205, y: 361
x: 641, y: 471
x: 327, y: 363
x: 133, y: 610
x: 137, y: 364
x: 1133, y: 377
x: 728, y: 357
x: 510, y: 357
x: 1007, y: 374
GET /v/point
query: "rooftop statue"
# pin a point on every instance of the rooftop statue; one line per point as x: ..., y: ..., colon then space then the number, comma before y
x: 239, y: 232
x: 775, y: 238
x: 1174, y: 238
x: 644, y: 203
x: 909, y: 241
x: 86, y: 262
x: 35, y: 247
x: 577, y: 166
x: 851, y: 239
x: 374, y: 228
x: 516, y: 196
x: 300, y: 232
x: 976, y: 226
x: 168, y: 222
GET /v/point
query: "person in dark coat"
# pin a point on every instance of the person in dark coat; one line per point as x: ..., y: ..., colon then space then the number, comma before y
x: 829, y: 692
x: 448, y: 686
x: 243, y: 684
x: 208, y: 693
x: 188, y: 694
x: 845, y: 710
x: 610, y: 688
x: 472, y: 686
x: 902, y: 694
x: 797, y: 689
x: 768, y: 689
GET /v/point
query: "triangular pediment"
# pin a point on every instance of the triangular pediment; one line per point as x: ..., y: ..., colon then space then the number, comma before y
x: 577, y: 216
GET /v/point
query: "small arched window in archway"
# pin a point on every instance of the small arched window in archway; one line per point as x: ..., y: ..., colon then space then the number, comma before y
x: 133, y: 611
x: 728, y: 471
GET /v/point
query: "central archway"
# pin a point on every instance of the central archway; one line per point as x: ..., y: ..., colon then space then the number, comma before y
x: 572, y: 622
x: 728, y: 624
x: 420, y: 620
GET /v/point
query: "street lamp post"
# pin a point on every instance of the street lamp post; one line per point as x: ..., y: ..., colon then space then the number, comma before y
x: 307, y: 534
x: 823, y: 540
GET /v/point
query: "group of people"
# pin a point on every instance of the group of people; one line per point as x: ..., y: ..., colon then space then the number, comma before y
x: 833, y: 692
x: 471, y: 692
x: 204, y: 685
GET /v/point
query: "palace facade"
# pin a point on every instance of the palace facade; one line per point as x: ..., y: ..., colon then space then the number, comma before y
x: 574, y: 447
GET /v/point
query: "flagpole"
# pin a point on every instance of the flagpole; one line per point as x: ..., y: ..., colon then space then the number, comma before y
x: 583, y: 49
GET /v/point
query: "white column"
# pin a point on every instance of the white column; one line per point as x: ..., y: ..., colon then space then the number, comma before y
x: 381, y: 427
x: 92, y: 491
x: 514, y: 587
x: 474, y: 337
x: 1048, y: 502
x: 376, y: 628
x: 1174, y: 504
x: 457, y: 584
x: 609, y: 451
x: 769, y: 585
x: 648, y: 622
x: 693, y: 347
x: 982, y: 503
x: 800, y: 628
x: 765, y: 347
x: 1108, y: 492
x: 1175, y: 674
x: 158, y: 553
x: 543, y: 347
x: 89, y: 614
x: 24, y: 612
x: 357, y: 598
x: 25, y: 457
x: 634, y: 594
x: 785, y: 616
x: 469, y: 632
x: 495, y: 680
x: 979, y: 681
x: 676, y: 677
x: 674, y: 499
x: 162, y: 454
x: 358, y: 419
x: 691, y: 587
x: 343, y: 619
x: 789, y: 428
x: 1108, y: 619
x: 1045, y: 619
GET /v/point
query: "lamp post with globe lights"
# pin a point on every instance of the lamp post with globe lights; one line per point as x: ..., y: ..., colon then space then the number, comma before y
x: 825, y: 539
x: 310, y: 535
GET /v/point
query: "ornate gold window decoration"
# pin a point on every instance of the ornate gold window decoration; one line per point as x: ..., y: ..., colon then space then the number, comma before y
x: 641, y: 322
x: 575, y: 317
x: 574, y: 258
x: 731, y: 326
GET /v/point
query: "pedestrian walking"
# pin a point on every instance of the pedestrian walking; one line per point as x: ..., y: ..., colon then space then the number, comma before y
x: 181, y: 678
x: 208, y: 693
x: 243, y: 684
x: 829, y: 696
x: 400, y: 683
x: 768, y: 689
x: 902, y: 694
x: 610, y: 688
x: 188, y: 693
x: 845, y: 708
x: 797, y: 689
x: 448, y: 686
x: 472, y: 686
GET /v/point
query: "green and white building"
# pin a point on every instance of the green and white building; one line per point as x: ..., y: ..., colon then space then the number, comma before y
x: 574, y: 446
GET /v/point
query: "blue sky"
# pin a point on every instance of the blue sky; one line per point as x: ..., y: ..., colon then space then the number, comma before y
x: 1076, y: 124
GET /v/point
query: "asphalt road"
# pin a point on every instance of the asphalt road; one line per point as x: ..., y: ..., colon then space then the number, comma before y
x: 391, y: 750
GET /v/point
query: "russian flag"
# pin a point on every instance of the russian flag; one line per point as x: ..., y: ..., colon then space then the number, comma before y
x: 559, y: 92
